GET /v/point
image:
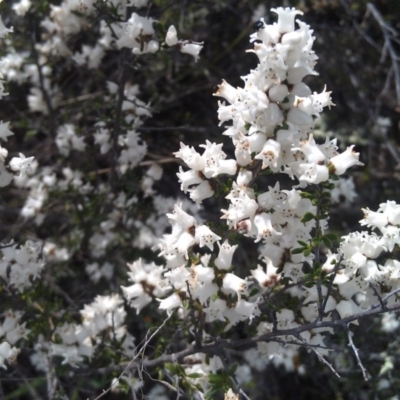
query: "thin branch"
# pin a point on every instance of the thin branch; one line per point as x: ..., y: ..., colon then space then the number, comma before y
x: 123, y: 76
x: 32, y: 391
x: 132, y: 361
x: 45, y: 93
x: 355, y: 351
x: 387, y: 32
x: 319, y: 356
x: 329, y: 289
x: 238, y: 388
x: 378, y: 296
x: 216, y: 346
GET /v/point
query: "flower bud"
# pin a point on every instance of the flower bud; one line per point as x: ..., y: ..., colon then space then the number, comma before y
x: 171, y: 39
x: 277, y: 93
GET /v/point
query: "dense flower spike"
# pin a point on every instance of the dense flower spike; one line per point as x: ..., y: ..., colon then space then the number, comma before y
x: 270, y: 121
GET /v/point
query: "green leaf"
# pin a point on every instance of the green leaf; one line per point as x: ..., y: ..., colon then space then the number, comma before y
x: 306, y: 195
x: 210, y: 394
x: 299, y: 250
x: 308, y: 216
x: 195, y: 375
x: 332, y: 236
x: 253, y: 292
x: 327, y: 242
x: 215, y: 378
x: 306, y: 252
x: 301, y: 242
x: 315, y: 242
x: 233, y: 369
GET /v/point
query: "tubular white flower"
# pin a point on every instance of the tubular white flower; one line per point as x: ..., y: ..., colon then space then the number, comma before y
x: 190, y: 156
x: 313, y: 173
x: 191, y: 48
x: 188, y: 178
x: 232, y: 283
x: 374, y: 219
x: 227, y: 91
x: 21, y: 164
x: 264, y: 226
x: 270, y: 154
x: 170, y: 303
x: 224, y: 259
x: 392, y: 210
x: 201, y: 192
x: 344, y: 161
x: 206, y: 237
x: 286, y: 18
x: 311, y: 150
x: 299, y: 117
x: 244, y: 177
x: 7, y: 353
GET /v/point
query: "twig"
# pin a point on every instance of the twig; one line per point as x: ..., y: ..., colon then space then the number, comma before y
x: 387, y: 31
x: 329, y: 289
x: 131, y: 362
x: 378, y: 296
x: 319, y: 356
x: 46, y: 96
x: 238, y: 388
x: 123, y: 76
x: 216, y: 346
x: 355, y: 351
x: 33, y: 393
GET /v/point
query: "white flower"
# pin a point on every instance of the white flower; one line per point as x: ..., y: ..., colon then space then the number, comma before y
x: 169, y: 303
x: 299, y: 117
x: 266, y: 278
x: 22, y: 7
x: 313, y: 173
x: 264, y: 226
x: 270, y: 154
x: 190, y: 156
x: 7, y: 353
x: 21, y: 164
x: 224, y: 259
x: 137, y: 33
x: 4, y: 131
x: 374, y: 219
x: 201, y: 192
x: 230, y: 395
x: 286, y: 18
x: 3, y: 30
x: 232, y: 283
x: 227, y: 91
x: 191, y: 48
x: 345, y: 160
x: 392, y: 210
x: 311, y: 150
x: 206, y: 237
x: 347, y: 308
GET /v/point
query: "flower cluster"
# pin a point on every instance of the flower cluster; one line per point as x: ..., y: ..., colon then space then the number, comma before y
x: 265, y: 275
x: 270, y: 122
